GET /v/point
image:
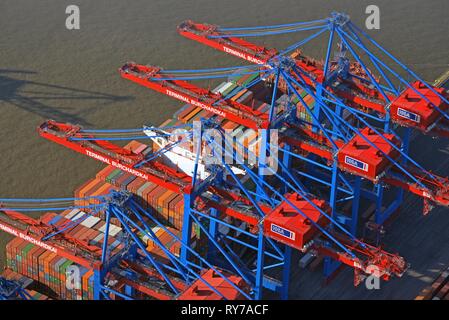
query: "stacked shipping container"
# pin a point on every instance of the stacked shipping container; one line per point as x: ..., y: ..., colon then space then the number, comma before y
x: 65, y: 278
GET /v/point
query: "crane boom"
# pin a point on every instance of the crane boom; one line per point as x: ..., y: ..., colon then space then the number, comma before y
x: 417, y: 106
x: 189, y: 93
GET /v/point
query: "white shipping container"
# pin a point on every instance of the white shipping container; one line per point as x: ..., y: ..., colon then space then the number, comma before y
x: 72, y: 213
x: 218, y: 88
x: 90, y: 221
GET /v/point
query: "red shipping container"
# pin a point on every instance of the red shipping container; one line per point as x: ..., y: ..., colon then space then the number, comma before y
x: 79, y: 190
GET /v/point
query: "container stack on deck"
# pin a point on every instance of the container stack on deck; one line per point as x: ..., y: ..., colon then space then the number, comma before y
x: 50, y: 269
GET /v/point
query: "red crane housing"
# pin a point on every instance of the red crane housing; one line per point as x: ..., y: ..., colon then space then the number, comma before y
x: 411, y: 109
x: 359, y: 157
x: 200, y: 291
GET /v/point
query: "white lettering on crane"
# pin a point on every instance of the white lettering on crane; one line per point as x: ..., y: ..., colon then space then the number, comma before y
x: 98, y: 157
x: 177, y: 96
x: 242, y: 55
x: 27, y: 238
x: 116, y: 164
x: 195, y: 103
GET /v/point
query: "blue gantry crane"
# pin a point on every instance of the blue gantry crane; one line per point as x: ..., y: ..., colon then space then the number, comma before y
x: 350, y: 103
x: 13, y: 290
x: 124, y: 271
x: 224, y: 200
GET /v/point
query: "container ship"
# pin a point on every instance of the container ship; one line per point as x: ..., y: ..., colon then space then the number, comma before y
x: 318, y: 148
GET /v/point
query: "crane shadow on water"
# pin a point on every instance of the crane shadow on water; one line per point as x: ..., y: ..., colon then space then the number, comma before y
x: 37, y: 97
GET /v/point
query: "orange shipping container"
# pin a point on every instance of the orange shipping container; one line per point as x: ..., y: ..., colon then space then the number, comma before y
x: 103, y: 190
x: 239, y: 94
x: 165, y: 123
x: 167, y: 209
x: 41, y: 261
x: 142, y: 193
x: 161, y: 202
x: 146, y: 194
x: 78, y: 191
x: 154, y: 197
x: 10, y: 254
x: 185, y: 112
x: 19, y: 254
